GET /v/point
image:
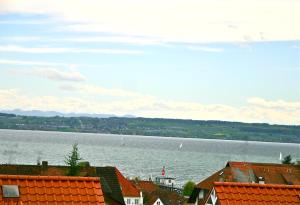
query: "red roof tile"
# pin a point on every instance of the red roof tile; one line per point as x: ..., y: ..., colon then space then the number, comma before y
x: 272, y: 173
x: 230, y: 193
x: 146, y: 186
x: 248, y: 172
x: 128, y: 189
x: 53, y: 190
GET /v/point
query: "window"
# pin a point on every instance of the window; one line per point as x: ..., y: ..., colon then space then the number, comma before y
x: 201, y: 194
x: 10, y: 191
x: 158, y: 203
x: 128, y: 201
x: 170, y: 181
x: 136, y: 201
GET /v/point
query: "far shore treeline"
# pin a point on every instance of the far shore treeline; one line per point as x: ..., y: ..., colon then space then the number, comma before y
x: 156, y: 127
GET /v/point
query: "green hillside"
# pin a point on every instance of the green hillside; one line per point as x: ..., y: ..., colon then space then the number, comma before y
x: 156, y: 127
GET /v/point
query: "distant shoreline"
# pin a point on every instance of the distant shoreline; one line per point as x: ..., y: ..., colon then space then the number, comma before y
x: 157, y: 137
x: 219, y: 130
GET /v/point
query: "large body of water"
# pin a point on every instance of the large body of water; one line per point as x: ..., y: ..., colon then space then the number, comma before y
x: 141, y: 156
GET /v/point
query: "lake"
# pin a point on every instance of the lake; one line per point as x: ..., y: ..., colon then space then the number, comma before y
x: 141, y: 156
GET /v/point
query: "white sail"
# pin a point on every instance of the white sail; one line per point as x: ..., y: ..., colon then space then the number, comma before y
x: 180, y: 146
x: 280, y: 156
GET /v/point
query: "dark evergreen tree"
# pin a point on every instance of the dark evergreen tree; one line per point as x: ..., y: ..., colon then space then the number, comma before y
x: 287, y: 159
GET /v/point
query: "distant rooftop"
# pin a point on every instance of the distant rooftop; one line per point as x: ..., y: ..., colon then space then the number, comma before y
x: 231, y: 193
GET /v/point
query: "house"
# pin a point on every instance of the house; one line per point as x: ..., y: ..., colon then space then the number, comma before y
x: 110, y: 185
x: 154, y: 200
x: 165, y: 181
x: 232, y: 193
x: 108, y: 177
x: 154, y: 195
x: 131, y: 194
x: 246, y: 172
x: 145, y: 186
x: 51, y: 190
x: 148, y: 187
x: 44, y: 170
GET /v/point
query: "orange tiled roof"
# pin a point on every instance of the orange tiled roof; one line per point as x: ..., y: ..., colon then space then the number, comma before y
x: 146, y: 186
x: 249, y: 172
x: 53, y: 190
x: 233, y: 193
x: 272, y: 173
x: 128, y: 189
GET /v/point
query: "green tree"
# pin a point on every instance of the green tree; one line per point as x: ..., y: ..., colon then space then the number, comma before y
x: 188, y: 188
x: 72, y: 160
x: 287, y: 159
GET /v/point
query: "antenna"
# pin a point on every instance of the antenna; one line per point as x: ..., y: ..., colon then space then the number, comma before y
x: 39, y: 157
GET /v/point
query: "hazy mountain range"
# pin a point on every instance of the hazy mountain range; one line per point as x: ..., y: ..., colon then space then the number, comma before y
x: 40, y: 113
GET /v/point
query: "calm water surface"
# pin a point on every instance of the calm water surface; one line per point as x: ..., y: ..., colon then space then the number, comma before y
x: 141, y: 156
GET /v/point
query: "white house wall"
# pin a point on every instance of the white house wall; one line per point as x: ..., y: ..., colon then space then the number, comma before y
x: 132, y: 200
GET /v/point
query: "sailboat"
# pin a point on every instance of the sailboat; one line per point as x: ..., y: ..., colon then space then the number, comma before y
x: 280, y: 156
x: 122, y: 141
x: 180, y: 146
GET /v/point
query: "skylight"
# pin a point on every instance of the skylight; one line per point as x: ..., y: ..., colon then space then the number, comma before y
x: 10, y: 191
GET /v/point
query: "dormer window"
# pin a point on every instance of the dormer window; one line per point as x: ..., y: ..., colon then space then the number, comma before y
x: 10, y: 191
x: 261, y: 180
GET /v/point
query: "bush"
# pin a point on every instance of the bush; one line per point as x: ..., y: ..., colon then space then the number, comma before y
x: 188, y: 188
x: 287, y: 159
x: 72, y: 160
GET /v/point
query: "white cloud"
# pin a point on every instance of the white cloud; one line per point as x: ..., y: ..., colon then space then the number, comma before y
x: 205, y: 49
x: 51, y: 73
x: 98, y: 90
x: 20, y: 38
x: 174, y: 20
x: 112, y: 39
x: 35, y: 63
x: 20, y: 49
x: 22, y: 22
x: 256, y: 110
x: 278, y: 104
x: 90, y: 39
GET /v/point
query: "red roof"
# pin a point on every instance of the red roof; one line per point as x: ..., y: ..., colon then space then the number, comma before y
x: 53, y: 190
x: 233, y: 193
x: 128, y: 189
x: 272, y: 173
x: 146, y: 186
x: 248, y: 172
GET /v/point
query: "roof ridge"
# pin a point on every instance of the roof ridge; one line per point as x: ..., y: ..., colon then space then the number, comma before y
x: 256, y: 185
x: 55, y: 178
x: 260, y: 164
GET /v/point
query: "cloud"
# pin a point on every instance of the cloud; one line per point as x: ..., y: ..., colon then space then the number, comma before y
x: 278, y: 104
x: 35, y: 63
x: 42, y: 50
x: 22, y: 22
x: 98, y: 90
x: 51, y: 73
x: 173, y: 20
x: 20, y: 38
x: 112, y: 39
x: 90, y: 39
x: 205, y: 49
x: 255, y: 110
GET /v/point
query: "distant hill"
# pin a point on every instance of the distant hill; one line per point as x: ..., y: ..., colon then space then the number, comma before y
x: 155, y: 127
x: 39, y: 113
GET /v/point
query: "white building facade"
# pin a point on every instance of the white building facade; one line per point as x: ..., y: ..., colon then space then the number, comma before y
x: 134, y: 200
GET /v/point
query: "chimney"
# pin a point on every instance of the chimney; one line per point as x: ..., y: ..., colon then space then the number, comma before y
x: 261, y: 180
x: 44, y: 164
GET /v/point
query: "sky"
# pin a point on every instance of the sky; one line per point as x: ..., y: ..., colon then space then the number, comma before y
x: 228, y: 60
